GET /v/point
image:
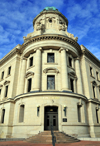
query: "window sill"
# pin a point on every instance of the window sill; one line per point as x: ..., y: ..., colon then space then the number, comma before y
x: 8, y: 76
x: 95, y: 99
x: 71, y: 67
x: 51, y: 90
x: 51, y: 63
x: 31, y: 67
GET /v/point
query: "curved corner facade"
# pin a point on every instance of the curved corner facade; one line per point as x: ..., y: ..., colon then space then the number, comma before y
x: 49, y: 79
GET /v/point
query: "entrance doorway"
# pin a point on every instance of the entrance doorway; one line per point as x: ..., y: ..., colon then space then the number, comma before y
x: 51, y: 117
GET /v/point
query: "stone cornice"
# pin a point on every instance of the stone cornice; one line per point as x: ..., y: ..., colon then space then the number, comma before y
x: 15, y: 50
x: 89, y: 55
x: 96, y: 101
x: 51, y: 37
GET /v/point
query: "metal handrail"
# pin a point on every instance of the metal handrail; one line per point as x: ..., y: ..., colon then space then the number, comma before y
x: 53, y: 137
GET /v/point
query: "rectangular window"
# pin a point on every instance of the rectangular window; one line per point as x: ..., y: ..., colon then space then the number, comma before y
x: 9, y: 70
x: 91, y: 71
x: 97, y: 116
x: 79, y: 113
x: 93, y: 91
x: 72, y: 84
x: 3, y: 115
x: 31, y: 61
x: 70, y: 61
x: 29, y: 84
x: 6, y: 91
x: 0, y: 91
x: 97, y: 75
x: 2, y: 76
x: 50, y: 57
x: 51, y: 82
x: 21, y: 114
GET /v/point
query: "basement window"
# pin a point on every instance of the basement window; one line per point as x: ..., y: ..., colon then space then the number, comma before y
x: 3, y: 115
x: 97, y: 116
x: 21, y: 114
x: 79, y: 113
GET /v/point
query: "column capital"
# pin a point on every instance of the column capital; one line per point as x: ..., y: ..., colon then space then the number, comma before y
x: 24, y: 58
x: 40, y: 48
x: 61, y: 49
x: 77, y: 58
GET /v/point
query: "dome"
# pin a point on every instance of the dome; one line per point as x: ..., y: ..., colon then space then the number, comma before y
x: 50, y: 8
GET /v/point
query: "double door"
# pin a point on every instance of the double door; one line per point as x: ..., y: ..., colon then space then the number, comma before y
x: 51, y: 119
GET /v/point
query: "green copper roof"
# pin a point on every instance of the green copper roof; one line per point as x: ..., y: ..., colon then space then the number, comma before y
x: 50, y: 8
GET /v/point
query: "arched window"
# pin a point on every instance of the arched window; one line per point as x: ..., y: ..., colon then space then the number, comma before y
x: 21, y: 113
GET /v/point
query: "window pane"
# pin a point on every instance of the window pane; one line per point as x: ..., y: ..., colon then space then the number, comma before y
x: 79, y: 113
x: 31, y: 61
x: 3, y: 114
x: 9, y: 70
x: 94, y: 91
x: 0, y: 91
x: 50, y: 82
x: 50, y: 57
x: 91, y: 71
x: 21, y: 114
x: 71, y: 84
x: 70, y: 62
x: 6, y: 91
x: 97, y: 116
x: 2, y: 75
x: 29, y: 84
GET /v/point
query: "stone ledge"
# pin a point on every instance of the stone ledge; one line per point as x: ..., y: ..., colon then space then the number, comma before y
x: 89, y: 139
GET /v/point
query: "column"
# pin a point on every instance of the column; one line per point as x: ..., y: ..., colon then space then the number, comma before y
x: 37, y: 81
x: 64, y: 72
x: 22, y: 76
x: 79, y: 77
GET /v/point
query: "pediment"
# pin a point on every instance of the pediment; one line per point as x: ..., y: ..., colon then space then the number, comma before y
x: 72, y: 74
x: 51, y: 70
x: 94, y: 83
x: 30, y: 73
x: 6, y: 82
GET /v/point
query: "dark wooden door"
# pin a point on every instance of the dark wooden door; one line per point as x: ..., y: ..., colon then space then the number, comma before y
x: 51, y: 119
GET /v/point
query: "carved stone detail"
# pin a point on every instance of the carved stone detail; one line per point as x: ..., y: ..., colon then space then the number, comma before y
x: 6, y: 82
x: 72, y: 36
x: 29, y: 74
x: 55, y: 70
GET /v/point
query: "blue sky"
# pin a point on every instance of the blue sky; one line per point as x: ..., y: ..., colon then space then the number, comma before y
x: 16, y: 17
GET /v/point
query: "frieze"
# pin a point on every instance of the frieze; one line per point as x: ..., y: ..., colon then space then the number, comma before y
x: 6, y: 82
x: 51, y: 37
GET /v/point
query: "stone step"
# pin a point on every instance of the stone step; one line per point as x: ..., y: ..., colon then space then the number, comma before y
x: 46, y: 138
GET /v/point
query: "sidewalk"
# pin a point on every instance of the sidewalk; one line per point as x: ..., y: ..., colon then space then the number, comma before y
x: 22, y: 143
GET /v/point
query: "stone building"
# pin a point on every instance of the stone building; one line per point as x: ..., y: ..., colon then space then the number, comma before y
x: 49, y: 79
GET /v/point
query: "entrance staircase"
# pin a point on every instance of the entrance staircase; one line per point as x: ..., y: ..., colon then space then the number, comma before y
x: 46, y: 138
